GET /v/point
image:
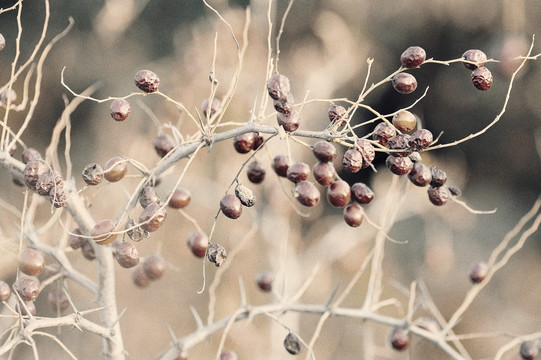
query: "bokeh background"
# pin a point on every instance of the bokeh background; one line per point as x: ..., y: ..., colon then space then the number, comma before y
x: 324, y: 49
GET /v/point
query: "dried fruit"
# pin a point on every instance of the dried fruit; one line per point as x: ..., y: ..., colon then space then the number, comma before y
x: 258, y: 141
x: 482, y: 78
x: 255, y: 172
x: 404, y: 83
x: 400, y: 142
x: 324, y: 173
x: 88, y: 250
x: 115, y: 169
x: 120, y: 109
x: 529, y: 350
x: 147, y: 81
x: 243, y: 143
x: 135, y: 232
x: 352, y: 161
x: 58, y: 300
x: 324, y: 151
x: 420, y: 174
x: 474, y: 55
x: 57, y: 197
x: 154, y: 266
x: 32, y: 172
x: 217, y: 254
x: 5, y: 291
x: 292, y: 344
x: 30, y: 154
x: 367, y: 151
x: 307, y: 194
x: 180, y: 199
x: 420, y: 139
x: 353, y: 215
x: 383, y: 132
x: 245, y: 195
x: 338, y: 114
x: 163, y: 144
x: 361, y: 193
x: 339, y: 193
x: 478, y: 271
x: 31, y: 262
x: 231, y: 206
x: 147, y: 196
x: 153, y: 217
x: 284, y: 105
x: 101, y: 232
x: 280, y: 165
x: 28, y: 305
x: 214, y: 108
x: 439, y: 195
x: 198, y: 243
x: 399, y: 165
x: 92, y: 174
x: 27, y: 287
x: 290, y: 121
x: 298, y: 172
x: 439, y: 177
x: 48, y: 180
x: 126, y: 255
x: 139, y: 277
x: 278, y: 86
x: 399, y: 338
x: 404, y: 121
x: 413, y: 57
x: 264, y: 280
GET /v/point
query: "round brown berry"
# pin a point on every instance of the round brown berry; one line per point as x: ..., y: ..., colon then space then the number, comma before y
x: 324, y: 151
x: 180, y: 199
x: 28, y: 305
x: 88, y: 250
x: 217, y: 254
x: 400, y: 142
x: 231, y: 206
x: 420, y: 139
x: 198, y: 243
x: 353, y: 215
x: 243, y: 143
x: 439, y: 177
x: 399, y: 338
x: 482, y: 78
x: 58, y: 300
x: 361, y: 193
x: 298, y: 172
x: 338, y: 114
x: 367, y: 151
x: 264, y: 280
x: 5, y: 291
x: 284, y: 105
x: 324, y: 173
x: 101, y: 232
x: 30, y: 154
x: 27, y: 287
x: 139, y: 277
x: 163, y: 144
x: 92, y: 174
x: 115, y: 169
x: 280, y: 165
x: 32, y: 172
x: 529, y: 350
x: 214, y: 108
x: 152, y: 217
x: 292, y: 344
x: 154, y: 266
x: 404, y: 121
x: 352, y: 161
x: 404, y: 83
x: 31, y: 262
x: 255, y: 172
x: 420, y: 174
x: 278, y: 86
x: 439, y: 195
x: 147, y: 81
x: 126, y: 255
x: 147, y: 196
x: 478, y: 271
x: 245, y: 195
x: 476, y: 56
x: 399, y: 165
x: 383, y: 132
x: 290, y: 121
x: 307, y: 194
x: 413, y: 57
x: 339, y: 193
x: 120, y: 109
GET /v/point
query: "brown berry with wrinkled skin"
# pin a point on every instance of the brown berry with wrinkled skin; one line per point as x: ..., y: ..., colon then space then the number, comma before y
x: 352, y: 161
x: 245, y: 195
x: 292, y: 344
x: 154, y: 266
x: 153, y: 217
x: 255, y: 172
x: 399, y: 165
x: 136, y: 233
x: 120, y: 109
x: 280, y: 165
x: 404, y: 83
x: 285, y: 105
x: 353, y: 215
x: 298, y: 172
x: 420, y: 174
x: 478, y: 271
x: 8, y: 96
x: 58, y: 300
x: 324, y: 151
x: 88, y: 251
x: 126, y: 255
x: 439, y: 195
x: 139, y: 277
x: 163, y: 144
x: 101, y: 232
x: 115, y: 169
x: 413, y: 57
x: 214, y: 108
x: 339, y: 193
x: 27, y: 287
x: 290, y: 121
x: 476, y: 56
x: 361, y: 193
x: 92, y: 174
x: 31, y: 262
x: 32, y: 172
x: 278, y: 86
x: 399, y: 338
x: 383, y: 132
x: 399, y: 142
x: 404, y: 121
x: 529, y: 350
x: 198, y: 243
x: 180, y: 199
x: 148, y: 195
x: 5, y: 291
x: 74, y: 240
x: 231, y: 206
x: 324, y: 173
x: 420, y: 139
x: 307, y: 194
x: 338, y: 114
x: 439, y: 176
x: 367, y: 151
x: 228, y: 355
x: 482, y: 78
x: 217, y: 254
x: 30, y: 154
x: 243, y: 143
x: 264, y: 280
x: 147, y: 81
x: 49, y: 180
x: 58, y: 197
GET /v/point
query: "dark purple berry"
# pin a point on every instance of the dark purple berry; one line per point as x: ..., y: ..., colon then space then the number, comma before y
x: 307, y: 194
x: 50, y: 179
x: 399, y: 338
x: 298, y: 172
x: 439, y: 177
x: 324, y: 151
x: 264, y: 280
x: 32, y: 172
x: 280, y: 165
x: 476, y: 56
x: 243, y: 143
x: 353, y: 215
x: 120, y: 109
x: 147, y: 196
x: 285, y: 105
x: 413, y: 56
x: 292, y: 344
x: 478, y: 271
x: 420, y: 175
x: 383, y: 132
x: 339, y: 193
x: 404, y: 83
x: 482, y: 78
x: 338, y: 114
x: 399, y: 165
x: 439, y: 195
x: 92, y: 174
x: 367, y: 151
x: 57, y: 197
x: 361, y: 193
x: 352, y: 161
x: 231, y: 206
x: 147, y: 81
x: 420, y: 139
x: 404, y: 121
x: 255, y: 172
x: 163, y: 144
x: 324, y: 173
x: 258, y: 141
x: 290, y: 121
x: 278, y: 86
x: 400, y: 142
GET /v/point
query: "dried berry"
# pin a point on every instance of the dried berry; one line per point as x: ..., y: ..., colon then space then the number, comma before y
x: 367, y: 151
x: 134, y: 231
x: 420, y: 139
x: 147, y: 81
x: 353, y: 215
x: 243, y: 143
x: 439, y: 177
x: 292, y: 344
x: 57, y: 197
x: 92, y: 174
x: 228, y: 355
x: 383, y: 132
x: 58, y: 300
x: 298, y: 172
x: 399, y: 338
x: 29, y: 308
x: 264, y: 280
x: 139, y: 277
x: 180, y: 199
x: 420, y: 174
x: 400, y: 142
x: 278, y: 87
x: 399, y: 165
x: 307, y: 193
x: 324, y: 173
x: 290, y: 121
x: 8, y: 96
x: 163, y: 144
x: 439, y: 195
x: 30, y: 154
x: 413, y: 57
x: 231, y: 206
x: 404, y: 83
x: 101, y: 232
x: 255, y: 172
x: 339, y: 193
x: 48, y: 180
x: 88, y: 250
x: 126, y: 255
x: 153, y: 217
x: 31, y: 262
x: 147, y: 196
x: 2, y: 42
x: 478, y: 271
x: 27, y: 287
x: 284, y: 105
x: 482, y: 78
x: 120, y: 109
x: 258, y: 141
x: 280, y: 165
x: 32, y: 172
x: 198, y: 243
x: 361, y: 193
x: 154, y: 266
x: 529, y: 350
x: 74, y: 240
x: 115, y: 169
x: 352, y: 161
x: 404, y: 121
x: 476, y: 56
x: 214, y: 108
x: 5, y: 291
x: 245, y: 195
x: 217, y: 254
x: 324, y: 151
x: 338, y: 114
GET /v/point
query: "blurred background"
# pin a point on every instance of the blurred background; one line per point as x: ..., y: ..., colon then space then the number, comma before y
x: 323, y: 51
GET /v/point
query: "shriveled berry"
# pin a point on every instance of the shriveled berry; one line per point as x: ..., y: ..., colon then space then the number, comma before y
x: 284, y: 105
x: 5, y: 291
x: 92, y: 174
x: 367, y: 151
x: 214, y: 108
x: 58, y: 300
x: 292, y: 344
x: 49, y: 180
x: 135, y: 232
x: 139, y: 277
x: 180, y: 199
x: 243, y: 143
x: 361, y: 193
x: 57, y: 197
x: 400, y: 142
x: 439, y: 195
x: 352, y: 161
x: 307, y: 194
x: 8, y: 96
x: 255, y: 172
x: 198, y: 243
x: 383, y: 132
x: 415, y: 157
x: 231, y: 206
x: 404, y: 83
x: 27, y: 287
x: 264, y: 280
x: 101, y: 232
x: 339, y: 193
x: 324, y: 151
x: 147, y: 81
x: 88, y: 250
x: 30, y: 154
x: 120, y: 109
x: 278, y: 86
x: 217, y: 254
x: 338, y: 114
x: 280, y: 165
x: 420, y: 139
x: 228, y: 355
x: 163, y: 144
x: 529, y: 350
x: 32, y: 172
x: 245, y: 195
x: 324, y: 173
x: 115, y: 169
x: 404, y: 121
x: 478, y: 271
x: 476, y: 56
x: 290, y: 121
x: 399, y: 338
x: 353, y: 215
x: 439, y: 176
x: 413, y: 56
x: 154, y: 266
x: 75, y: 241
x: 420, y: 174
x: 482, y: 78
x: 399, y: 165
x: 126, y: 255
x: 153, y: 217
x: 147, y: 196
x: 298, y: 172
x: 31, y: 262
